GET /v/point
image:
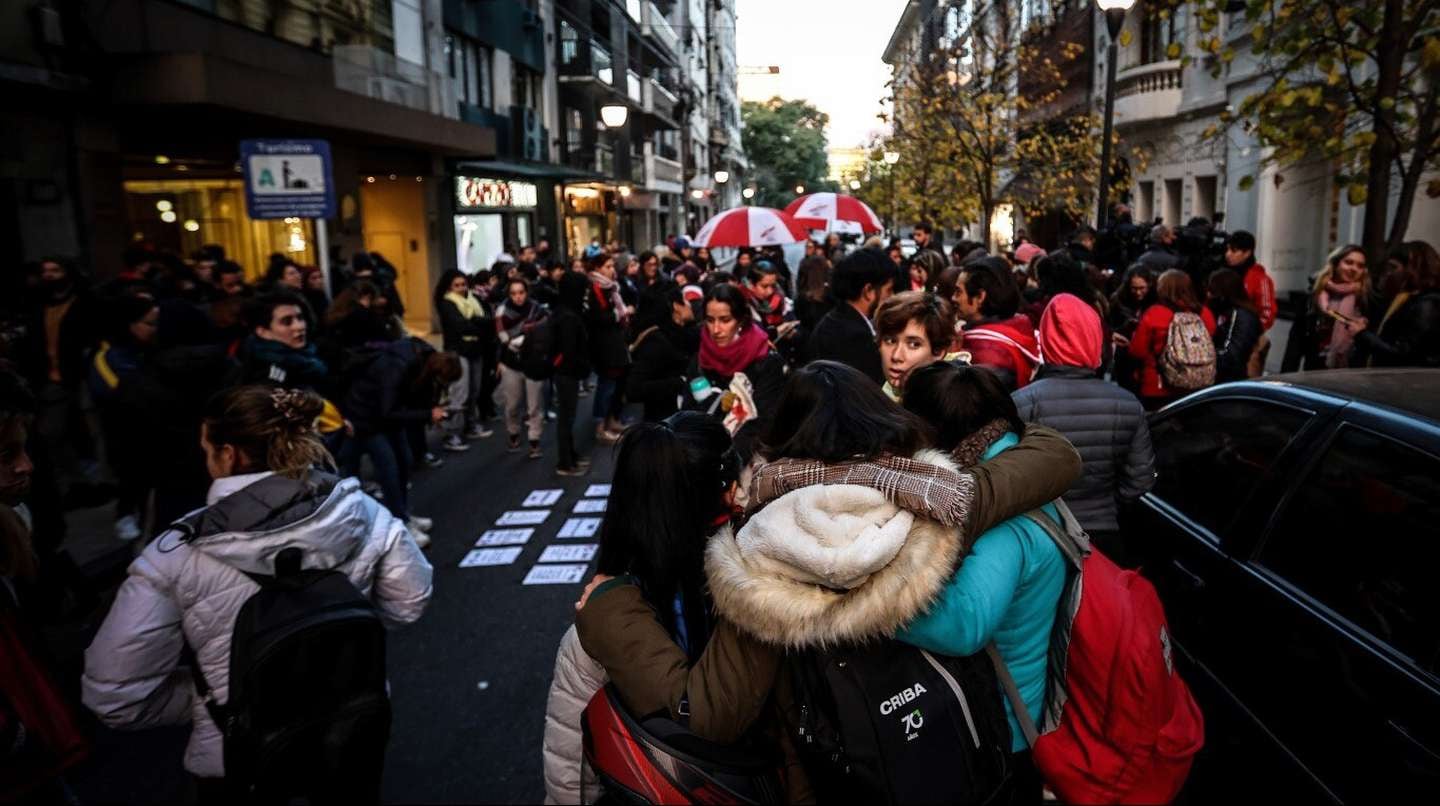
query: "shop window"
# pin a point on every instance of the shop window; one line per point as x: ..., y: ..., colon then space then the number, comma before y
x: 182, y: 216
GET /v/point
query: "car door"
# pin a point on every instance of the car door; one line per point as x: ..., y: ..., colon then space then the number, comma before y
x: 1221, y: 463
x: 1343, y: 646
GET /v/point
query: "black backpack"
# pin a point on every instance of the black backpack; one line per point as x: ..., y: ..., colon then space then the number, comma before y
x: 308, y: 715
x: 538, y: 351
x: 887, y: 722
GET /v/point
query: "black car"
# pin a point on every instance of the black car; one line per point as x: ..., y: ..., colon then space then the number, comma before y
x: 1294, y: 535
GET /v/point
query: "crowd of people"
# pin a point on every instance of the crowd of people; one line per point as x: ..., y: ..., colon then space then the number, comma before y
x: 816, y: 451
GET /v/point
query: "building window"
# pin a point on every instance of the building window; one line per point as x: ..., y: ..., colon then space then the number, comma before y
x: 1156, y: 34
x: 524, y: 87
x: 574, y: 130
x: 666, y: 143
x: 468, y: 62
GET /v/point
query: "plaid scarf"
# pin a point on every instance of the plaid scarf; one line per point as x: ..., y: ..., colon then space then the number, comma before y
x: 928, y: 490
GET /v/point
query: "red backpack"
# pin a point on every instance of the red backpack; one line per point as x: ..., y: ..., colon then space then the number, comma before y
x: 1120, y: 726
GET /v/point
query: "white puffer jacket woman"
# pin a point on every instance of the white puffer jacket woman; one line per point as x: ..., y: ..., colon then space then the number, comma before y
x: 187, y: 590
x: 568, y: 779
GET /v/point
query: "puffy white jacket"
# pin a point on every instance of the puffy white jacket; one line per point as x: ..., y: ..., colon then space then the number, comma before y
x: 189, y: 591
x: 577, y: 677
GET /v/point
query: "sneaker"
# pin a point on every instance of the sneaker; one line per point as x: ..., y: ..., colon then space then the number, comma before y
x: 127, y: 528
x: 456, y: 444
x: 535, y: 452
x: 583, y: 463
x: 478, y: 431
x: 606, y: 437
x: 419, y: 524
x: 514, y: 443
x: 432, y: 461
x: 551, y: 415
x: 577, y: 470
x: 421, y: 539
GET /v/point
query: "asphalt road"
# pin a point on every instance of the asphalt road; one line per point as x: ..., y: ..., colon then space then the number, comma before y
x: 469, y: 680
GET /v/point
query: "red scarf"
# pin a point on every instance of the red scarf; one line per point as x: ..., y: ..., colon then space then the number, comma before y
x: 771, y: 309
x: 748, y: 346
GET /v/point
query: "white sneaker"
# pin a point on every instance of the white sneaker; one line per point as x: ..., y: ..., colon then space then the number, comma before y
x: 127, y: 528
x: 421, y: 539
x: 419, y: 524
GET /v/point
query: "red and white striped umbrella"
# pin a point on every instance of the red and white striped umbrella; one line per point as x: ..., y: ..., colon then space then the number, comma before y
x: 825, y: 211
x: 750, y: 226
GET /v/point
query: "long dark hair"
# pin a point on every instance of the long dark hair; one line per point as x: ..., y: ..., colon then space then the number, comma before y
x: 1227, y: 288
x: 833, y: 413
x: 443, y: 286
x: 956, y: 401
x: 813, y: 281
x: 667, y: 491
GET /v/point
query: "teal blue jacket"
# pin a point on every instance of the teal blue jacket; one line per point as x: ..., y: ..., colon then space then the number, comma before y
x: 1007, y: 590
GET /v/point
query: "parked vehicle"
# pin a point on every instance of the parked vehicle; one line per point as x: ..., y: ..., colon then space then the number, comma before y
x: 1294, y: 535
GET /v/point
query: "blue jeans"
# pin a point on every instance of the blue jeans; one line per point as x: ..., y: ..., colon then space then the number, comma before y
x: 605, y: 389
x: 389, y: 452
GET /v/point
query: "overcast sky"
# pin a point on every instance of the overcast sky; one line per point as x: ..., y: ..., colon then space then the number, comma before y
x: 828, y: 52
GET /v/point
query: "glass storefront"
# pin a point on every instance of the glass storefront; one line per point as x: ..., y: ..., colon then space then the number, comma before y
x: 181, y: 216
x: 491, y: 216
x: 587, y: 218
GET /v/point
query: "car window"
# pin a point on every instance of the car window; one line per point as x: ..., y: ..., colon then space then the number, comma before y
x: 1210, y: 456
x: 1359, y: 535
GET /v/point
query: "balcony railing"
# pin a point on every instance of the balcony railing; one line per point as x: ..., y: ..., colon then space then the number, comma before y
x: 637, y: 168
x: 664, y: 175
x: 599, y: 158
x: 1148, y: 92
x: 584, y: 59
x: 654, y: 24
x: 659, y: 100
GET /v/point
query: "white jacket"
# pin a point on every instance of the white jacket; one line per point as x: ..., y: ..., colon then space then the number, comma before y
x: 188, y: 592
x: 577, y: 678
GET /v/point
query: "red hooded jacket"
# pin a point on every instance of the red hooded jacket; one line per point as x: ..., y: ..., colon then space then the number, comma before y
x: 1008, y: 345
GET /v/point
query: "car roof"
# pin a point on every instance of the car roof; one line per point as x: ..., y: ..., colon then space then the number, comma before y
x: 1414, y: 391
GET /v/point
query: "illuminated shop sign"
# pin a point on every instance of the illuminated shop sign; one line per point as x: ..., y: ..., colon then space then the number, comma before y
x: 474, y: 191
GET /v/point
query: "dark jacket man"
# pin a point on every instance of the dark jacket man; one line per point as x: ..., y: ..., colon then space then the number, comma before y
x: 859, y: 283
x: 1104, y: 422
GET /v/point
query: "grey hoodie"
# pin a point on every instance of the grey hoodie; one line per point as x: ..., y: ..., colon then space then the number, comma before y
x: 188, y: 592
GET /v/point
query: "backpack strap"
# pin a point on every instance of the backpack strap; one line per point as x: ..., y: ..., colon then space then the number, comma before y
x: 1012, y: 692
x: 219, y: 713
x: 1069, y: 536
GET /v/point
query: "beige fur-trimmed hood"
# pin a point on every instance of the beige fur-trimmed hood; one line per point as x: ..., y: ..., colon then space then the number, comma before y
x: 832, y: 564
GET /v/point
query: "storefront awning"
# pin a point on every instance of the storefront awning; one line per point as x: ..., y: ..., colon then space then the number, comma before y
x: 540, y: 170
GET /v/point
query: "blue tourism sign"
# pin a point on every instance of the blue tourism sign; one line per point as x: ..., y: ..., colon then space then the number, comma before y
x: 287, y: 178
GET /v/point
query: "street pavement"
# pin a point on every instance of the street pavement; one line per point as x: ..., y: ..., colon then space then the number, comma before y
x: 469, y: 680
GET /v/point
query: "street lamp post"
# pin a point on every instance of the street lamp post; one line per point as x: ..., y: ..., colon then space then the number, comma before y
x: 891, y: 158
x: 1114, y: 19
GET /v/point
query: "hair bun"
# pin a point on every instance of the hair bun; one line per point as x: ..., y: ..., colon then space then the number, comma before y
x: 297, y: 408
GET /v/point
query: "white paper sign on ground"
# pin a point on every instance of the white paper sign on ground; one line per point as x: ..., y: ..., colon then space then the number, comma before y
x: 589, y: 505
x: 490, y: 557
x: 597, y: 491
x: 523, y: 517
x: 580, y: 527
x: 569, y: 553
x: 542, y: 498
x: 555, y: 574
x: 505, y: 537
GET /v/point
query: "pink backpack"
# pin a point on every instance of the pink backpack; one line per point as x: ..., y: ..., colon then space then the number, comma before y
x: 1120, y: 726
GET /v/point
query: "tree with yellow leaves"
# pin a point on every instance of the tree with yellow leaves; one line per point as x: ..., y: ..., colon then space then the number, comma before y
x: 1353, y: 84
x: 983, y: 117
